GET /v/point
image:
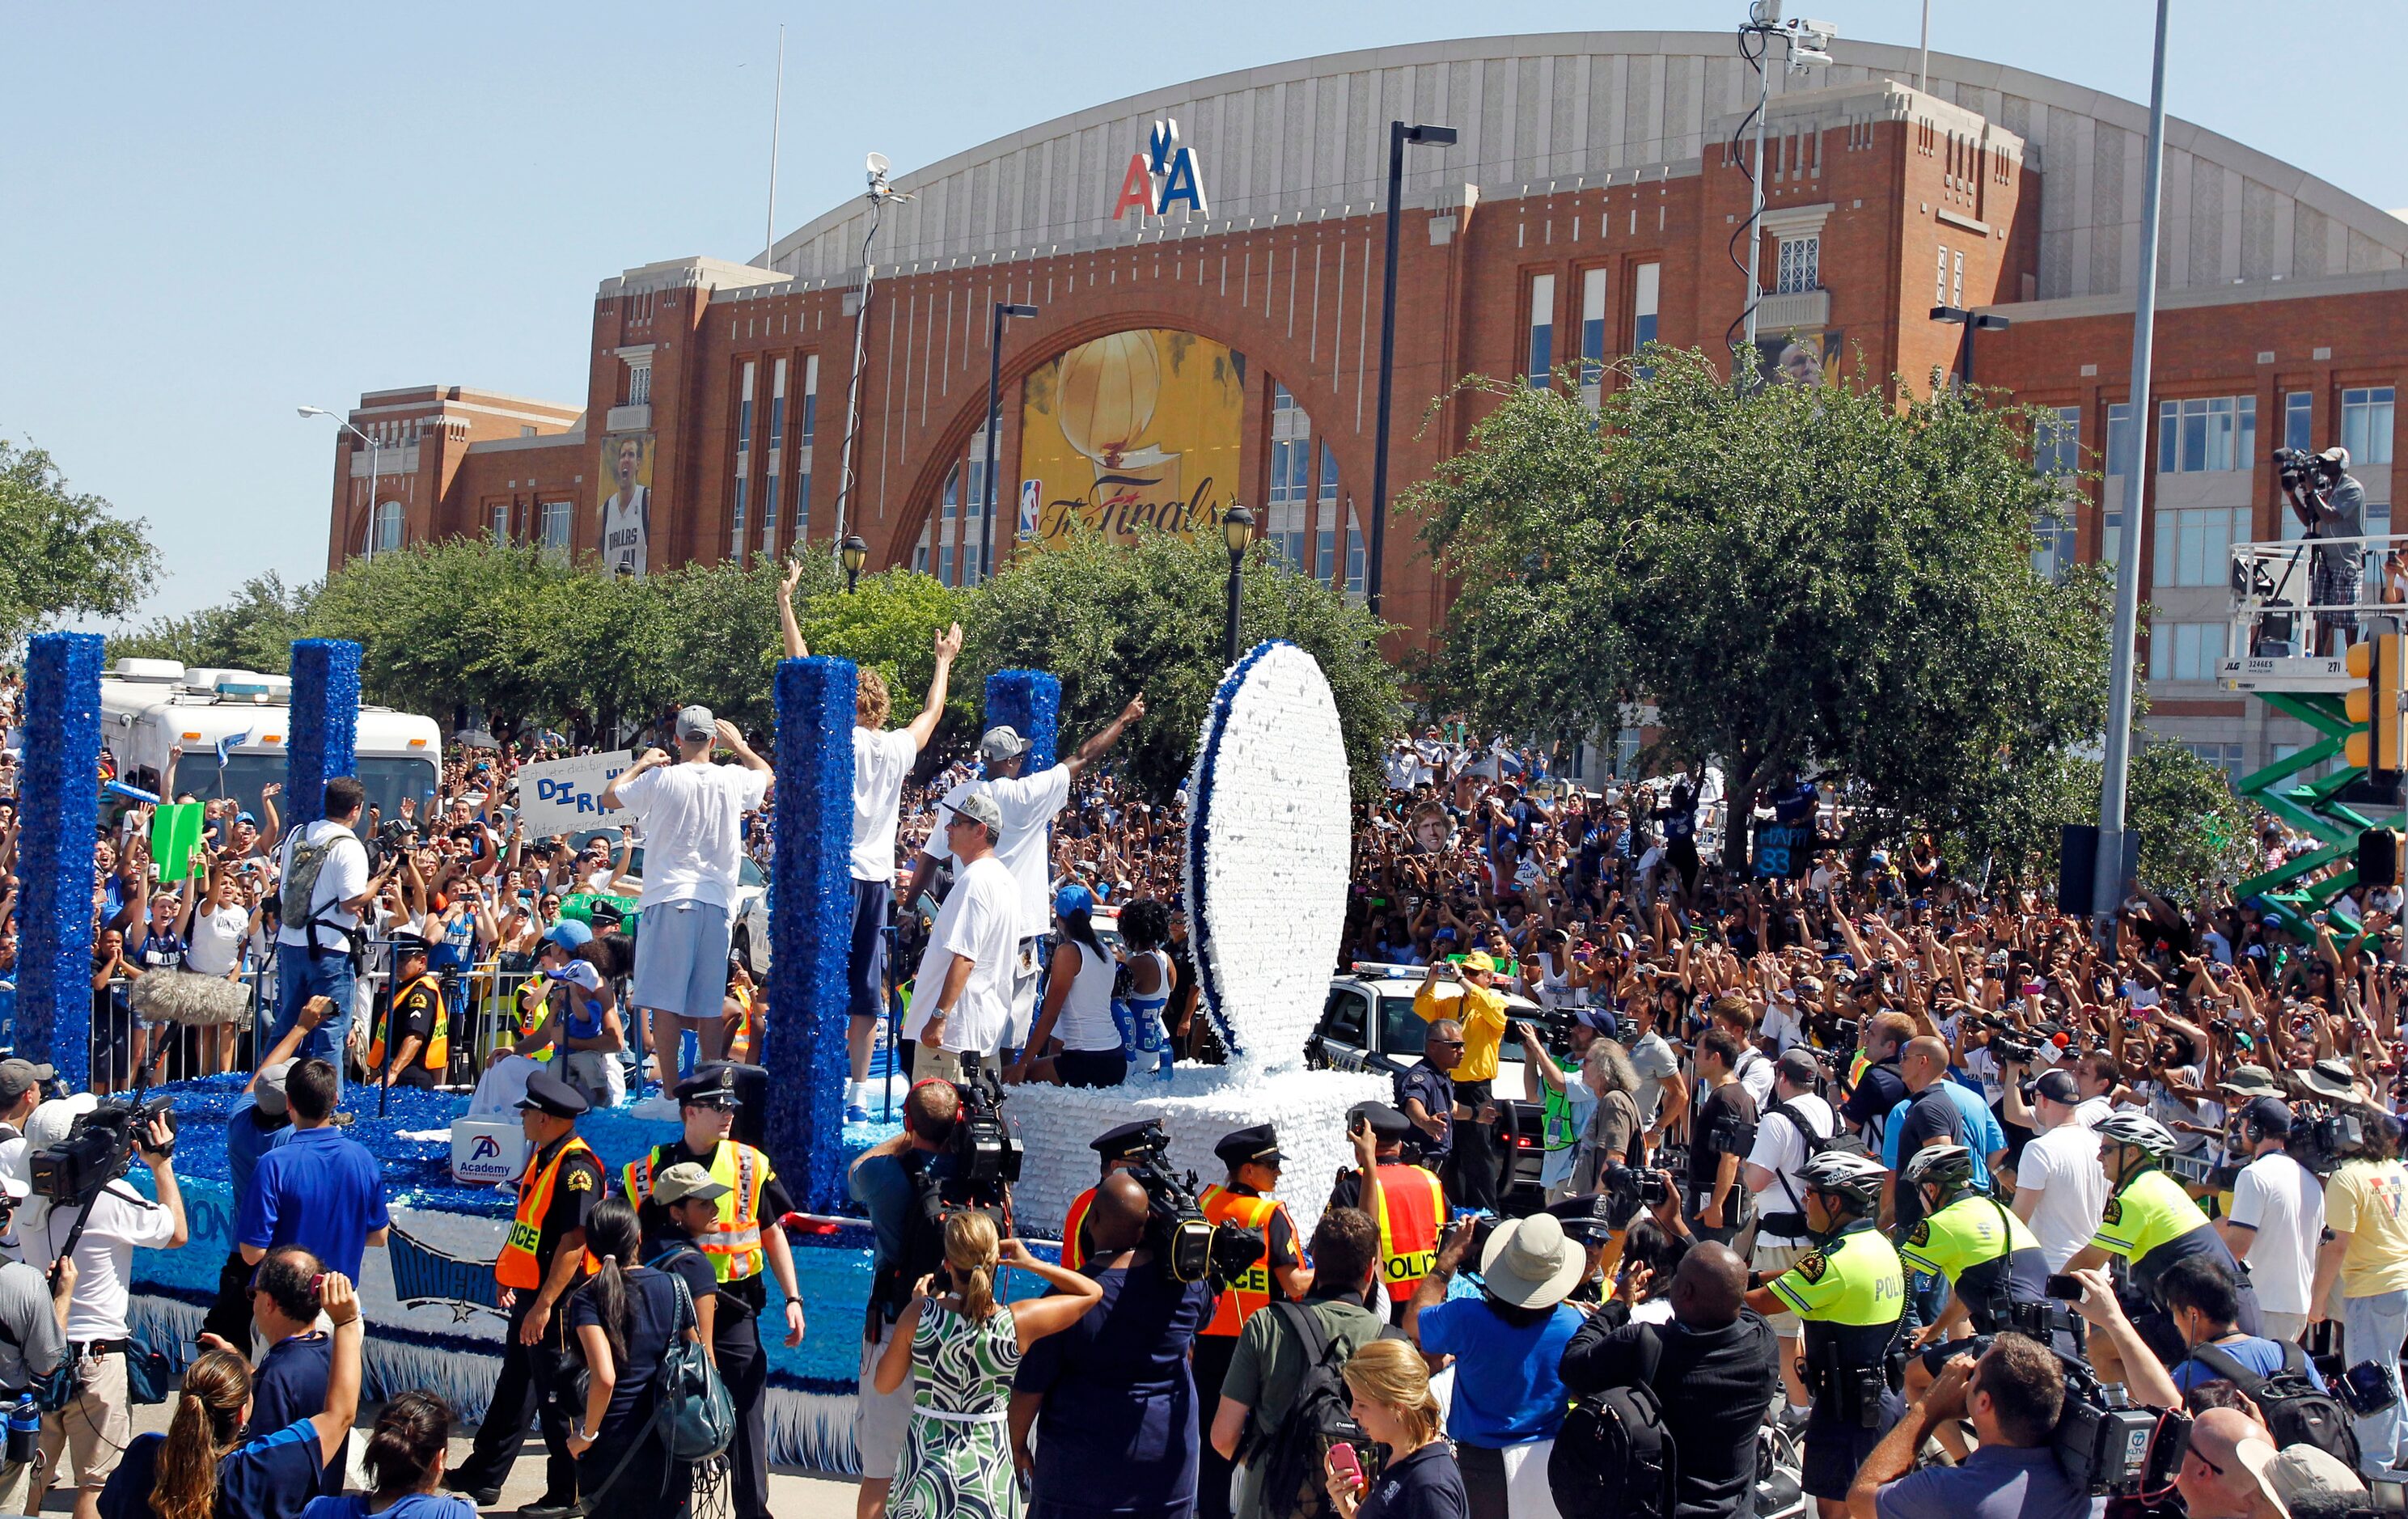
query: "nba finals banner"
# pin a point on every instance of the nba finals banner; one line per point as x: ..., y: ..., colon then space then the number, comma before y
x: 1134, y: 430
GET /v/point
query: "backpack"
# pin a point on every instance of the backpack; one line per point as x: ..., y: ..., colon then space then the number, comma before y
x: 302, y: 867
x: 2295, y: 1411
x: 1615, y: 1456
x: 1320, y: 1416
x: 1792, y: 1224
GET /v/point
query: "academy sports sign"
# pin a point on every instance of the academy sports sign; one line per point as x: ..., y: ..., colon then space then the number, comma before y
x: 1162, y: 176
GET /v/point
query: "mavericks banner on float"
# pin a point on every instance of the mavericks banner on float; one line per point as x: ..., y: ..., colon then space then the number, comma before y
x: 1136, y: 429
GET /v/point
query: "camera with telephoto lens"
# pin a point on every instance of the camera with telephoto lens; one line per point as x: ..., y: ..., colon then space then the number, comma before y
x: 1629, y: 1188
x: 986, y: 1153
x: 2297, y: 468
x: 96, y: 1151
x: 1188, y: 1248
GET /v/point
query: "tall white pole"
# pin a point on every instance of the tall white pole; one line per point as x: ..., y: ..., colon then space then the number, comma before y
x: 2107, y: 881
x: 1923, y: 70
x: 376, y: 459
x: 777, y: 111
x: 852, y: 385
x: 1756, y: 199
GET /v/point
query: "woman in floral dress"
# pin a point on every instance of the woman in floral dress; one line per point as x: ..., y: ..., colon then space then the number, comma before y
x: 963, y: 1348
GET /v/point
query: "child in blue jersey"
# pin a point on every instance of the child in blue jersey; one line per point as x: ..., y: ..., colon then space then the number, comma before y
x: 405, y: 1455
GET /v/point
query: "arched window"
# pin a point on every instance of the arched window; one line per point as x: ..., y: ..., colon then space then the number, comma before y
x: 385, y: 531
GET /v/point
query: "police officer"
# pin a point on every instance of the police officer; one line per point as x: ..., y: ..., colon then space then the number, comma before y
x: 2150, y: 1222
x: 1851, y: 1291
x: 1253, y: 1159
x: 1411, y: 1203
x: 1121, y: 1149
x: 542, y: 1260
x: 414, y: 1014
x: 1989, y: 1257
x: 737, y: 1247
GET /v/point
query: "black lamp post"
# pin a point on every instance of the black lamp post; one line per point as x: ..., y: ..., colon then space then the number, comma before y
x: 1237, y: 531
x: 1398, y: 134
x: 854, y: 552
x: 1003, y: 311
x: 1972, y: 321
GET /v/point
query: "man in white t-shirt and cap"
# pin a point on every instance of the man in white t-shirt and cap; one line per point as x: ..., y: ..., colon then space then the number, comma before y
x: 882, y: 762
x: 1027, y: 805
x: 693, y: 813
x: 961, y: 1000
x: 2059, y: 1189
x: 2278, y: 1209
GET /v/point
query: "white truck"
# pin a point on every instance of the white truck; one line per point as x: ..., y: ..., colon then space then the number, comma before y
x: 162, y: 725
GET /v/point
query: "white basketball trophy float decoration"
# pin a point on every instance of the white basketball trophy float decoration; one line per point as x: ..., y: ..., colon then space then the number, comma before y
x: 1270, y: 836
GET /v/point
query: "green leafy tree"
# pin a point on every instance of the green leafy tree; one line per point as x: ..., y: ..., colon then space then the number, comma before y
x: 889, y: 623
x: 1111, y: 620
x: 254, y: 630
x: 2194, y: 831
x: 64, y: 554
x: 1787, y: 576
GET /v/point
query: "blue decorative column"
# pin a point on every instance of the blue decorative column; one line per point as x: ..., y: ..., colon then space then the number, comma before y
x: 811, y: 926
x: 58, y: 791
x: 325, y: 740
x: 1030, y: 702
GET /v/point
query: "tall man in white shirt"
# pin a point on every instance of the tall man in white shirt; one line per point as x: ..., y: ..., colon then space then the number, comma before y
x: 314, y: 959
x: 882, y: 762
x: 961, y: 1000
x: 1027, y: 805
x: 693, y: 815
x: 2277, y: 1221
x: 2059, y: 1189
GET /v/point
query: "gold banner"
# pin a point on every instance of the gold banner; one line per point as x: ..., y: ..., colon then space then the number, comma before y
x: 1138, y: 429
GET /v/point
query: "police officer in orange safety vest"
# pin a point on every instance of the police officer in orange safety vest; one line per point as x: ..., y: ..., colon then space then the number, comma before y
x: 1252, y: 1156
x: 416, y: 1010
x: 1121, y: 1149
x: 543, y: 1259
x: 747, y: 1237
x: 1411, y: 1205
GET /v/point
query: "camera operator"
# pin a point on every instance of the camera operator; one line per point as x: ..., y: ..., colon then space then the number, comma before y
x: 1851, y: 1291
x: 2278, y: 1200
x: 2368, y: 1253
x: 888, y: 1180
x: 2330, y: 504
x: 1120, y: 1148
x: 1111, y: 1399
x: 93, y: 1431
x: 33, y: 1338
x: 2014, y: 1394
x: 1791, y: 1131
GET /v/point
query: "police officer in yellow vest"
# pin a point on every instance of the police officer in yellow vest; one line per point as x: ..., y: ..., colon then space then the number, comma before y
x: 1252, y: 1156
x: 415, y: 1009
x: 1411, y: 1205
x: 543, y: 1259
x: 747, y: 1237
x: 1121, y: 1148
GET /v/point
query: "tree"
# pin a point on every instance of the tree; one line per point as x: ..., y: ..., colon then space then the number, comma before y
x: 253, y: 631
x: 2194, y: 831
x: 1788, y: 576
x: 1111, y: 620
x: 64, y: 554
x: 888, y: 624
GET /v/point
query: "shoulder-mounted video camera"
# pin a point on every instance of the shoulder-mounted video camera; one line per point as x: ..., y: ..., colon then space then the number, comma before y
x: 1187, y: 1246
x: 2302, y: 470
x: 985, y: 1152
x: 96, y: 1151
x: 2109, y: 1448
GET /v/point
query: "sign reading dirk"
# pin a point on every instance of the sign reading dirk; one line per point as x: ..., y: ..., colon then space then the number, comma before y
x: 563, y: 796
x: 1164, y: 175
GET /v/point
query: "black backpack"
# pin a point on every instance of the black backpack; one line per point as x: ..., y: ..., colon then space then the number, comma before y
x: 1319, y: 1417
x: 1615, y: 1457
x: 2295, y: 1411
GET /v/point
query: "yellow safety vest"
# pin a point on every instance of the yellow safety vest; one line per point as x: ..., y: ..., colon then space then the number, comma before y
x: 735, y: 1250
x: 519, y: 1265
x: 437, y: 1055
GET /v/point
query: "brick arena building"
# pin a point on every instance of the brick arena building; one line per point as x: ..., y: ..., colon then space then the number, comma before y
x: 1200, y: 349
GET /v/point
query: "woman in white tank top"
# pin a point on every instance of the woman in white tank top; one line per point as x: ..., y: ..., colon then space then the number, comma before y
x: 1075, y: 1041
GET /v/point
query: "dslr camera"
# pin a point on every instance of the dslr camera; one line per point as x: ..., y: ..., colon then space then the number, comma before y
x: 1187, y: 1246
x: 1629, y: 1188
x: 96, y: 1151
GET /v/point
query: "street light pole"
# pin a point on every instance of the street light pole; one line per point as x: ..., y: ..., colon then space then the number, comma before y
x: 2106, y: 888
x: 1004, y: 311
x: 376, y: 461
x: 1237, y: 530
x: 1398, y: 134
x: 854, y: 551
x: 879, y: 195
x: 1972, y: 321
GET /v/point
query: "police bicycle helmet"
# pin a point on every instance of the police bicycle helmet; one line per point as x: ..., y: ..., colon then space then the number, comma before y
x: 1858, y: 1178
x: 1947, y: 1167
x: 2138, y: 1131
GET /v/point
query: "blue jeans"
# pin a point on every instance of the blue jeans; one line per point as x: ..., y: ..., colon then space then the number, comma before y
x: 301, y: 975
x: 2373, y: 1327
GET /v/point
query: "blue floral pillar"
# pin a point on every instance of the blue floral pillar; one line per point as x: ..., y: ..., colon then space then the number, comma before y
x: 1029, y: 701
x: 58, y: 791
x: 810, y: 926
x: 325, y: 740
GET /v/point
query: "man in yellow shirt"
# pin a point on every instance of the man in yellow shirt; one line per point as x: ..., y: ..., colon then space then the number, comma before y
x: 2365, y: 1201
x: 1466, y: 992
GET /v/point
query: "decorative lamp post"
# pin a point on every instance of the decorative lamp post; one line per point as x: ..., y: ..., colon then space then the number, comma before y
x: 1237, y: 531
x: 854, y: 554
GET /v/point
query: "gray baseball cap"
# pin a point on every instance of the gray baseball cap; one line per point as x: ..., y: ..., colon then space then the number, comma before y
x: 695, y: 722
x: 18, y: 1076
x: 1002, y: 744
x: 268, y: 1088
x: 981, y: 808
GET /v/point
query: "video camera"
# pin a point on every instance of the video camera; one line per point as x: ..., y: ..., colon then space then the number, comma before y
x: 2108, y: 1447
x: 1189, y: 1249
x: 986, y: 1153
x: 96, y: 1151
x: 2298, y: 468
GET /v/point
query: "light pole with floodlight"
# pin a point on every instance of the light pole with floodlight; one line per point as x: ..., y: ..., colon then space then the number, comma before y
x: 376, y: 458
x: 1398, y: 134
x: 1972, y: 321
x: 1237, y: 531
x: 1004, y: 311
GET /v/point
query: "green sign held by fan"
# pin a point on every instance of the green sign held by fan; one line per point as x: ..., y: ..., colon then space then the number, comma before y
x: 175, y: 838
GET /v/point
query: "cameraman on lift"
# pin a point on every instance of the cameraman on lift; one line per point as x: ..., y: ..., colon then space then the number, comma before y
x: 2330, y: 504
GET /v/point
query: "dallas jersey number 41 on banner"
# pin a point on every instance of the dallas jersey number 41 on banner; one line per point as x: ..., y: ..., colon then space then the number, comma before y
x: 1163, y: 176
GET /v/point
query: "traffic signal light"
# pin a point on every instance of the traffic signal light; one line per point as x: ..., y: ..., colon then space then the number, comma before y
x: 2383, y: 747
x: 2378, y: 857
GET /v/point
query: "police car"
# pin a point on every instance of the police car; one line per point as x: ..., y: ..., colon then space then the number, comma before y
x: 1368, y: 1024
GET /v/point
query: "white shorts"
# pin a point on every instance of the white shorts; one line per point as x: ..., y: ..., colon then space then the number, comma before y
x: 1769, y: 1261
x: 682, y: 959
x: 880, y: 1419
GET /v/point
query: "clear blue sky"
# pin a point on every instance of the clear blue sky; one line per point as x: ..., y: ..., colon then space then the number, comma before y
x: 218, y: 213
